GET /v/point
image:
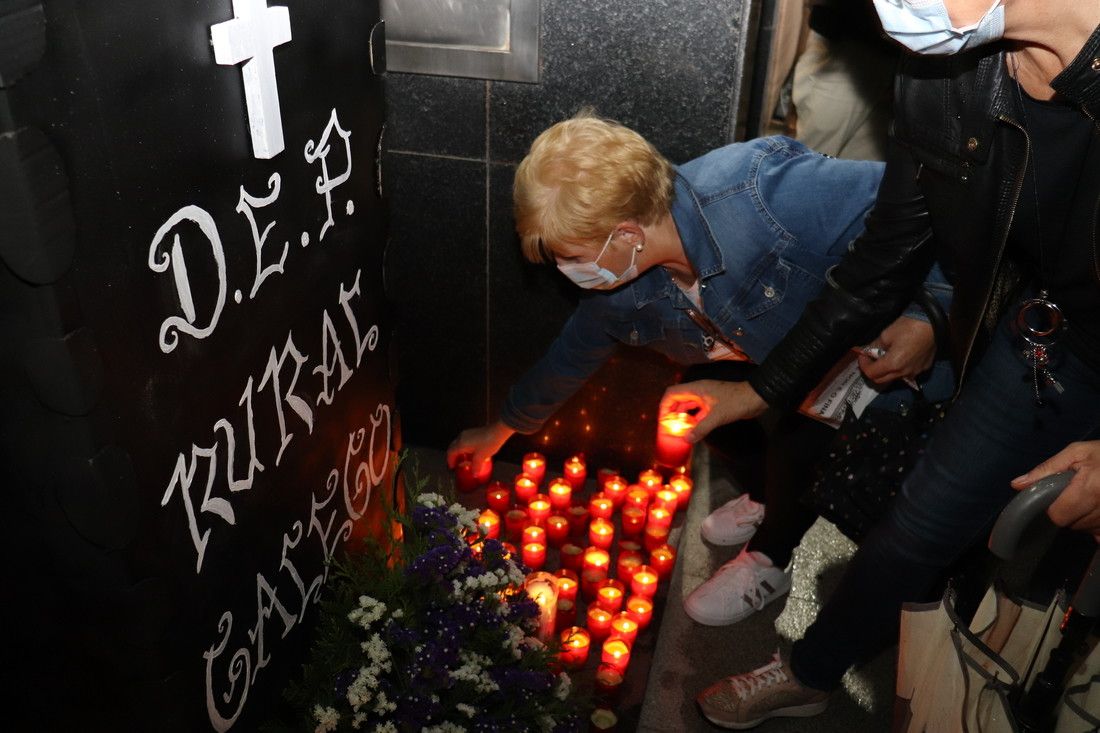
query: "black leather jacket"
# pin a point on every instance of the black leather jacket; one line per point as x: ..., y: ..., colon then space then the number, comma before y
x: 953, y: 177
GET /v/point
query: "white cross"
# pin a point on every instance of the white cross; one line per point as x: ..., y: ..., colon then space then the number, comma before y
x: 252, y: 36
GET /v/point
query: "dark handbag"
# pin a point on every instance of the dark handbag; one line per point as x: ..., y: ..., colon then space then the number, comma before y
x: 867, y: 461
x: 871, y: 454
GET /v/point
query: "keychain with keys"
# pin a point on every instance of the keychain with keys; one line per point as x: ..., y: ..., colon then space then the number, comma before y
x: 1040, y: 324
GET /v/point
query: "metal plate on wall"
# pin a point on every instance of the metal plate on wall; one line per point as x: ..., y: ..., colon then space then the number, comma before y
x: 482, y: 39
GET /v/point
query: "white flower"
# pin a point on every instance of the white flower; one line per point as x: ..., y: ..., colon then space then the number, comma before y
x: 444, y: 727
x: 358, y: 720
x: 327, y: 719
x: 469, y: 710
x: 369, y: 611
x: 514, y: 642
x: 467, y: 518
x: 382, y: 705
x: 564, y: 685
x: 398, y: 613
x: 386, y: 727
x: 473, y: 671
x: 431, y: 500
x: 546, y: 723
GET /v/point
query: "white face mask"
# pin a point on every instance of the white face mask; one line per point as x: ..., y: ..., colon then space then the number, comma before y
x: 925, y: 27
x: 590, y: 276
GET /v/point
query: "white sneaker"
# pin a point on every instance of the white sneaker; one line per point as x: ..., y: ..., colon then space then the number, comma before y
x: 734, y: 522
x: 745, y: 584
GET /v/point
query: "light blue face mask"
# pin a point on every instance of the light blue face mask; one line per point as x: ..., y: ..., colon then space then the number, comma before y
x: 925, y: 27
x: 590, y: 276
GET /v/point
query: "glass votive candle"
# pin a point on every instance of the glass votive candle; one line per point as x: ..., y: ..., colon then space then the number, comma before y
x: 488, y: 523
x: 514, y: 523
x: 604, y: 475
x: 568, y: 582
x: 640, y: 609
x: 644, y: 582
x: 526, y: 488
x: 538, y: 509
x: 567, y: 613
x: 682, y: 485
x: 560, y: 492
x: 655, y: 536
x: 534, y: 555
x: 557, y: 529
x: 638, y: 497
x: 662, y: 559
x: 597, y: 559
x: 543, y: 590
x: 601, y: 533
x: 658, y: 517
x: 616, y: 654
x: 600, y: 506
x: 650, y: 480
x: 575, y: 471
x: 673, y: 449
x: 610, y: 594
x: 572, y: 557
x: 666, y: 499
x: 608, y: 684
x: 578, y: 520
x: 591, y: 580
x: 598, y: 622
x: 626, y: 545
x: 499, y: 497
x: 533, y: 534
x: 468, y: 477
x: 627, y: 564
x: 615, y: 489
x: 509, y: 549
x: 633, y: 521
x: 623, y: 627
x: 575, y: 643
x: 534, y: 467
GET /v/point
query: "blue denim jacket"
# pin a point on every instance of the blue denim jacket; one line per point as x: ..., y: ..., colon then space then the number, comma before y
x: 761, y: 222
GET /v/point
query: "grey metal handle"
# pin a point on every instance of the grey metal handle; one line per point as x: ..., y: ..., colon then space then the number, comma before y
x: 1020, y: 512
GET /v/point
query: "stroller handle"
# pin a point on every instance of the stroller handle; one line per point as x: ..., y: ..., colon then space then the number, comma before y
x: 1019, y: 513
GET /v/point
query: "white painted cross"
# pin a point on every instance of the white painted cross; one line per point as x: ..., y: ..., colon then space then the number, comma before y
x: 252, y: 36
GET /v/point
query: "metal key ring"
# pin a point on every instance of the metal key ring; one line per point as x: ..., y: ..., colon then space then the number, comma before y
x: 1052, y: 314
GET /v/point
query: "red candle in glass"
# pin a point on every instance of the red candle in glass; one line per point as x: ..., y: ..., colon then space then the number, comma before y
x: 672, y: 446
x: 488, y: 523
x: 625, y: 628
x: 616, y: 654
x: 627, y: 564
x: 561, y: 494
x: 633, y: 521
x: 526, y: 489
x: 640, y: 609
x: 615, y: 489
x: 572, y: 556
x: 600, y: 506
x: 644, y: 582
x: 609, y: 681
x: 659, y: 517
x: 682, y: 485
x: 575, y: 643
x: 630, y: 546
x: 610, y: 594
x: 578, y: 520
x: 666, y: 499
x: 604, y: 475
x: 557, y: 529
x: 567, y: 613
x: 468, y: 477
x: 591, y: 580
x: 662, y: 559
x: 650, y: 480
x: 638, y: 497
x: 534, y: 555
x: 598, y: 622
x: 534, y: 467
x: 514, y: 522
x: 533, y: 534
x: 601, y: 533
x: 498, y: 497
x: 509, y: 549
x: 538, y: 509
x: 655, y: 536
x: 575, y: 471
x: 568, y: 582
x: 597, y: 559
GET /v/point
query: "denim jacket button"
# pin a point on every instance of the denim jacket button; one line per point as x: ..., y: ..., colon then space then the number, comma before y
x: 739, y: 332
x: 769, y: 291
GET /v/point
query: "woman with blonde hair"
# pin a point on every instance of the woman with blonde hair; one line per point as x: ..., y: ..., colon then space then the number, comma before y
x: 709, y: 263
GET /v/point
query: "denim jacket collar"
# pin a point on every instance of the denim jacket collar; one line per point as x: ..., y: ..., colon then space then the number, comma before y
x: 699, y: 246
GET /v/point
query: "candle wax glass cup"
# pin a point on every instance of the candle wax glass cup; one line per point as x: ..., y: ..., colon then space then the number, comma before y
x: 640, y: 609
x: 526, y: 488
x: 568, y: 583
x: 498, y: 497
x: 673, y: 449
x: 616, y: 653
x: 572, y: 556
x: 575, y: 644
x: 625, y: 628
x: 644, y: 582
x: 599, y: 622
x: 534, y: 466
x: 543, y: 590
x: 557, y: 529
x: 488, y: 523
x: 601, y: 533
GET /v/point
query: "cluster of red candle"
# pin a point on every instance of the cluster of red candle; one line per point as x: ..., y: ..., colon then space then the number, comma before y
x: 540, y: 514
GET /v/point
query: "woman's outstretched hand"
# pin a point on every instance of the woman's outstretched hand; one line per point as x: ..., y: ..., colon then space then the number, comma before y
x: 481, y: 443
x: 713, y: 402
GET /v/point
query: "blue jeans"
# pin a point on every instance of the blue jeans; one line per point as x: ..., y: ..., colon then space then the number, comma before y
x: 993, y: 433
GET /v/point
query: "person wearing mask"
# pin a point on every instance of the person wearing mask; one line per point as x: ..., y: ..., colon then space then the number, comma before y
x: 993, y: 171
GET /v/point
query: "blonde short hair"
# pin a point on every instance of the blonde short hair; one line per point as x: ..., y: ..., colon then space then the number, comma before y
x: 583, y: 177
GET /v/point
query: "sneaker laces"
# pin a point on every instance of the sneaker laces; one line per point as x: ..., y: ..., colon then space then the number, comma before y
x: 745, y: 577
x: 772, y: 673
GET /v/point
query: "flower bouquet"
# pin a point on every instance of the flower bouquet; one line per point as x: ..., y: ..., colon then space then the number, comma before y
x: 434, y: 637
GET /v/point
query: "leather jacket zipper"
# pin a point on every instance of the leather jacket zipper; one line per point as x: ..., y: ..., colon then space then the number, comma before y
x: 1095, y: 208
